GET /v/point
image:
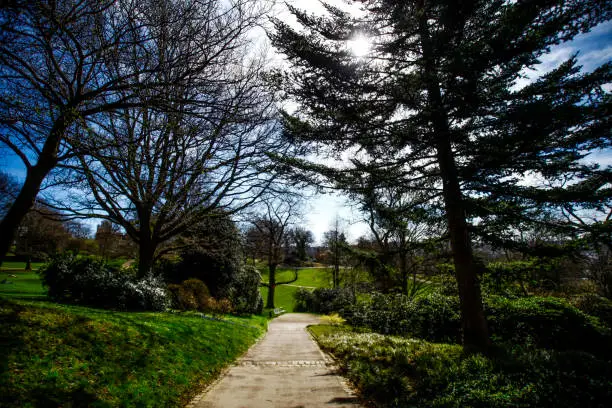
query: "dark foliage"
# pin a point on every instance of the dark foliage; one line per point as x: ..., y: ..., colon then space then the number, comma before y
x: 213, y: 255
x: 89, y: 282
x: 245, y: 294
x: 595, y: 305
x: 550, y: 323
x: 397, y: 372
x: 323, y: 300
x: 434, y: 317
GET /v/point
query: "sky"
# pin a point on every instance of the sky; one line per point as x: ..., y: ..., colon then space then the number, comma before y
x: 593, y: 49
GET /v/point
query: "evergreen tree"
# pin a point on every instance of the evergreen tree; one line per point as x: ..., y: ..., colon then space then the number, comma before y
x: 436, y: 108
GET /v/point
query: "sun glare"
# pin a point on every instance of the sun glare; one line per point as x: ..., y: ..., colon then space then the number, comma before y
x: 359, y: 46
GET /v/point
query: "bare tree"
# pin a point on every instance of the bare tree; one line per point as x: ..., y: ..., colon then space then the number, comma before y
x: 66, y: 67
x: 9, y: 188
x: 269, y: 233
x: 335, y: 241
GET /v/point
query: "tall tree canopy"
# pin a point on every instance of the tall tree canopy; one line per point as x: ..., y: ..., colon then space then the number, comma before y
x: 158, y: 105
x: 436, y: 108
x: 111, y: 81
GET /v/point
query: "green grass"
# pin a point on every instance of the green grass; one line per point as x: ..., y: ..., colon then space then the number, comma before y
x: 57, y: 355
x: 25, y: 285
x: 19, y: 266
x: 283, y: 297
x: 395, y: 371
x: 315, y: 277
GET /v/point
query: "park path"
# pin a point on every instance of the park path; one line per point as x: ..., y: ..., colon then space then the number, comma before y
x: 286, y: 369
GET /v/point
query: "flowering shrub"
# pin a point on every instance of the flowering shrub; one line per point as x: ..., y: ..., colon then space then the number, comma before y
x: 90, y: 282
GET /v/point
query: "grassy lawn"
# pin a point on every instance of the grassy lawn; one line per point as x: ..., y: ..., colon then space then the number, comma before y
x: 315, y: 277
x: 56, y: 355
x: 25, y: 285
x: 19, y: 266
x: 283, y: 297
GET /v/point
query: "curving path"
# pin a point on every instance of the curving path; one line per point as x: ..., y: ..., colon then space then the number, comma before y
x: 286, y: 369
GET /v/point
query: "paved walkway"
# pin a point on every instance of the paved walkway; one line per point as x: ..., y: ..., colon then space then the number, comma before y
x: 286, y: 369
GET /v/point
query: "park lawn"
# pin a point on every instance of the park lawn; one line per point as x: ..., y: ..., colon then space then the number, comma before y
x: 58, y: 355
x: 283, y: 297
x: 309, y: 277
x: 26, y: 285
x: 19, y: 266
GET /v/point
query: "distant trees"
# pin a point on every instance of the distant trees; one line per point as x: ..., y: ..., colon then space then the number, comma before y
x: 300, y: 240
x: 436, y: 109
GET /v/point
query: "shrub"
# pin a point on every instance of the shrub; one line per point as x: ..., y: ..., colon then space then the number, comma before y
x: 182, y: 298
x: 539, y: 322
x: 595, y: 305
x: 323, y: 300
x: 191, y: 294
x: 546, y: 323
x: 399, y: 372
x: 333, y: 319
x: 433, y: 317
x: 214, y: 306
x: 89, y: 282
x: 245, y: 294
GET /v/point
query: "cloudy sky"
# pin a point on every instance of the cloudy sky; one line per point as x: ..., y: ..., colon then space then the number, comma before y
x: 593, y: 49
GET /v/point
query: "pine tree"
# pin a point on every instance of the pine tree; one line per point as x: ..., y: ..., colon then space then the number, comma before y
x: 436, y: 108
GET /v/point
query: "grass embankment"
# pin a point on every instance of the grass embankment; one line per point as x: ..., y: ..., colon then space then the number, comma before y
x: 59, y: 355
x: 283, y: 295
x: 400, y: 372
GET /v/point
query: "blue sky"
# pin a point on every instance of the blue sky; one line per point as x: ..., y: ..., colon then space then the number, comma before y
x: 593, y: 49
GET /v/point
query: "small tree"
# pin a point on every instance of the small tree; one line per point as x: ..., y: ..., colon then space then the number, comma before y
x: 335, y: 242
x: 269, y: 232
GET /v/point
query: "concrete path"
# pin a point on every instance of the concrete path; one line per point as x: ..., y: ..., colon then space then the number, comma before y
x: 286, y: 369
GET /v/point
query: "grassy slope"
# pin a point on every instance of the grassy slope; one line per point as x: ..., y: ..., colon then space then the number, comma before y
x: 283, y: 296
x: 52, y: 354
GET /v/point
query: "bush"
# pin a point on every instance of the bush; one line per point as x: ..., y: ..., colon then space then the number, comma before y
x: 595, y: 305
x: 89, y: 282
x: 323, y: 300
x: 433, y: 317
x: 192, y: 294
x: 399, y: 372
x: 546, y: 323
x: 245, y: 294
x: 540, y: 322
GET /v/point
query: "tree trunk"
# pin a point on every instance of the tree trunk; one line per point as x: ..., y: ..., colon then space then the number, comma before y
x: 47, y: 160
x: 22, y: 205
x: 473, y: 322
x: 403, y: 271
x: 271, y: 286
